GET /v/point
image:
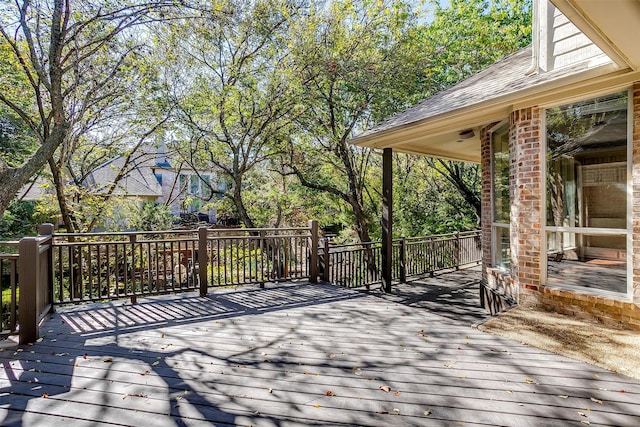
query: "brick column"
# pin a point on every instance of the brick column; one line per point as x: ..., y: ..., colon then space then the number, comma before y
x: 487, y: 210
x: 527, y: 200
x: 636, y: 193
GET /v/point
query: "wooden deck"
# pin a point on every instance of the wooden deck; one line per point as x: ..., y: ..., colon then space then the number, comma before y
x: 300, y: 354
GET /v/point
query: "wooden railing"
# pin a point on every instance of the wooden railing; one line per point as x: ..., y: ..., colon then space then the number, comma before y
x: 359, y: 265
x: 8, y: 283
x: 53, y: 269
x: 101, y: 266
x: 26, y: 284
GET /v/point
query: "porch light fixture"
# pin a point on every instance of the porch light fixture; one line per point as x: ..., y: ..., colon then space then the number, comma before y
x: 466, y: 134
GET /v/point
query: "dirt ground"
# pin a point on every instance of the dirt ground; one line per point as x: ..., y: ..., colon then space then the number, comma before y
x: 586, y: 340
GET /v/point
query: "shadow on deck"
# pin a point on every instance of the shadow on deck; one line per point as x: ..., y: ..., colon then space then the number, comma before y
x: 300, y: 354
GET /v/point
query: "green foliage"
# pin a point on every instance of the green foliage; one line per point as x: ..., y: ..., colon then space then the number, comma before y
x: 153, y: 216
x: 273, y: 93
x: 425, y: 203
x: 18, y: 220
x: 467, y: 36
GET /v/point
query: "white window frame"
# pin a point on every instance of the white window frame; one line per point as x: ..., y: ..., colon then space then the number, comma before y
x: 496, y: 258
x: 628, y: 232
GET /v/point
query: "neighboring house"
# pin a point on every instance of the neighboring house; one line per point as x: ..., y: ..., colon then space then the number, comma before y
x: 154, y: 176
x: 139, y: 181
x: 556, y: 128
x: 158, y: 177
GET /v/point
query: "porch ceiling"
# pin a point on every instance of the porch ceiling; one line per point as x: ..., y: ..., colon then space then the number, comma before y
x: 613, y: 25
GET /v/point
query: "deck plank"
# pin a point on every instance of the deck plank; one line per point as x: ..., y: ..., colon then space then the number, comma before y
x: 298, y: 354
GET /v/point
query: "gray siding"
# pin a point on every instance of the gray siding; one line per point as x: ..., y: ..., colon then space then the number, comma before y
x: 562, y: 44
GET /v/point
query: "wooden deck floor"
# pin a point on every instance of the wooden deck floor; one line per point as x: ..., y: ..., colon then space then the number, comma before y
x: 299, y: 354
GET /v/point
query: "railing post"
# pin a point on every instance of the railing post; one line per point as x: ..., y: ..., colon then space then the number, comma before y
x: 132, y: 276
x: 458, y: 255
x: 325, y: 271
x: 28, y: 269
x: 203, y: 260
x: 47, y: 229
x: 313, y: 262
x: 403, y: 260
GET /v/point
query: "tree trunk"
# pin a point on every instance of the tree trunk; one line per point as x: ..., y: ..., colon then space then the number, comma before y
x: 12, y: 179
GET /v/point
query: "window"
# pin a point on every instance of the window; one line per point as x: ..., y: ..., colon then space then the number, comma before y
x: 586, y: 201
x: 501, y: 198
x: 192, y: 185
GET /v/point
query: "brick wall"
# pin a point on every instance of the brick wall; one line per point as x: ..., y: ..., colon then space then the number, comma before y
x: 527, y: 224
x: 527, y: 207
x: 485, y: 218
x: 605, y: 309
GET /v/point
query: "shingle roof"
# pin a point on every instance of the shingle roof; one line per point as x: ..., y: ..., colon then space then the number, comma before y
x: 139, y: 181
x: 506, y: 77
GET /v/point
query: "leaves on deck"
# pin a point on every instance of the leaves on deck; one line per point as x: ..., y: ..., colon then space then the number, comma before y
x: 329, y: 393
x: 385, y: 388
x: 134, y: 395
x: 427, y: 413
x: 596, y: 400
x: 107, y: 359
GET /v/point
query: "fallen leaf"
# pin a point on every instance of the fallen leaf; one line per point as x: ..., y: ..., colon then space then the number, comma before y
x: 563, y: 396
x: 582, y: 414
x: 528, y: 380
x: 107, y: 359
x: 156, y: 363
x: 621, y: 391
x: 385, y: 388
x: 587, y: 422
x: 427, y: 413
x: 396, y: 410
x: 270, y: 390
x: 397, y: 393
x: 596, y: 400
x: 134, y: 395
x: 317, y: 405
x: 329, y: 393
x: 145, y: 372
x: 45, y: 395
x: 84, y: 356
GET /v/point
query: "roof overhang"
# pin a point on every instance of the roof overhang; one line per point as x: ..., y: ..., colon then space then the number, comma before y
x: 614, y: 26
x: 440, y: 136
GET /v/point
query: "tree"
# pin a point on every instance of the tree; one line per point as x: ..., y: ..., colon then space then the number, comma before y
x: 70, y: 57
x: 465, y: 37
x: 356, y: 69
x: 235, y: 106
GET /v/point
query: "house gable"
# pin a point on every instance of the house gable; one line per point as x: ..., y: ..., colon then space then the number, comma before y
x: 558, y: 43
